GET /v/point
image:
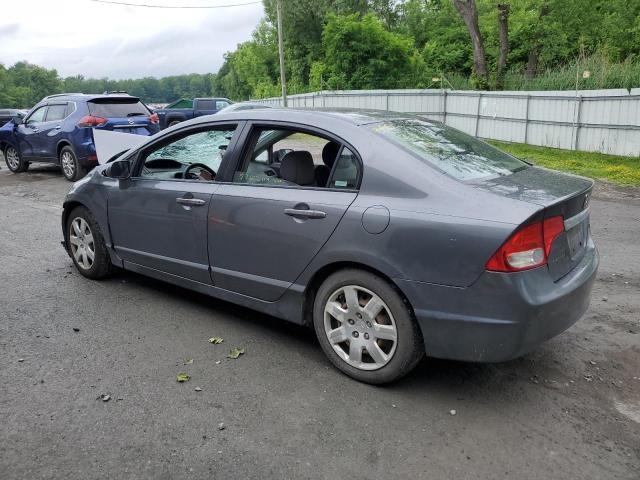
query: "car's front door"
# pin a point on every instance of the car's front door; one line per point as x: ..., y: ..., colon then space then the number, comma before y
x: 28, y: 133
x: 265, y: 225
x: 158, y: 217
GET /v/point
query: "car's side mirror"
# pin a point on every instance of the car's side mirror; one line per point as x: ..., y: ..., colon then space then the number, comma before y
x: 17, y: 119
x: 120, y: 169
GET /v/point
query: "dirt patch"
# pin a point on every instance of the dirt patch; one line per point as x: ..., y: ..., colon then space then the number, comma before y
x: 604, y: 190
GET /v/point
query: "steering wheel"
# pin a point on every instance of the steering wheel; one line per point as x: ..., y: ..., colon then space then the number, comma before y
x: 201, y: 166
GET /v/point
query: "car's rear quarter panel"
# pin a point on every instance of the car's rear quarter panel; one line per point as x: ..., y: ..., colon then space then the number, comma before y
x: 440, y: 230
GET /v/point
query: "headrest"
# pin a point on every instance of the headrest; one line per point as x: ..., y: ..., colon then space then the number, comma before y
x: 297, y: 167
x: 329, y: 153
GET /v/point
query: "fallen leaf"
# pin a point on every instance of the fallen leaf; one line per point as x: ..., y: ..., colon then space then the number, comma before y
x: 105, y: 397
x: 198, y: 389
x: 188, y: 361
x: 183, y: 377
x: 216, y: 340
x: 236, y: 352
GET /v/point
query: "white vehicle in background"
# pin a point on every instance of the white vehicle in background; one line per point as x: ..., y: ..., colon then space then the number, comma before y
x: 236, y: 107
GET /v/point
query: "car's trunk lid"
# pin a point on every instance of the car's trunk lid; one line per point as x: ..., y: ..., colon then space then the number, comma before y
x: 123, y: 114
x: 139, y: 125
x: 559, y: 194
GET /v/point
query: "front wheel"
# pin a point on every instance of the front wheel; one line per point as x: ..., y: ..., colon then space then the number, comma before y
x: 86, y: 245
x: 71, y: 168
x: 365, y: 328
x: 14, y: 160
x: 173, y: 122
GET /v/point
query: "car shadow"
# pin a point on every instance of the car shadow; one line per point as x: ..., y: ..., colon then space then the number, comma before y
x: 453, y: 379
x: 36, y: 172
x: 180, y: 294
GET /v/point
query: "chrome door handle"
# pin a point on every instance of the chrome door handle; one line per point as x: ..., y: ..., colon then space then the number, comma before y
x: 194, y: 202
x: 294, y: 212
x: 57, y: 127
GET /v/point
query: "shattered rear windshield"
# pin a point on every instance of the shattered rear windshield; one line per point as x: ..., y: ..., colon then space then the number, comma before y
x: 452, y: 151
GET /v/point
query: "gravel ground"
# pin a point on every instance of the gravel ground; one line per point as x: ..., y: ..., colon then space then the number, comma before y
x: 569, y: 410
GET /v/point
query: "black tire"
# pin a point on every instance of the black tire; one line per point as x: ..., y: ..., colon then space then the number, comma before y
x: 14, y: 160
x: 173, y: 122
x: 409, y: 347
x: 71, y: 168
x: 101, y: 267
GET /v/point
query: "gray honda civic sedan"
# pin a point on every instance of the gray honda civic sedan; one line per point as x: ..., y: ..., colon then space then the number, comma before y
x: 392, y: 235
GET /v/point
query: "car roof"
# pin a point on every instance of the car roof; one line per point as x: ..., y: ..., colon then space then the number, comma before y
x: 351, y: 116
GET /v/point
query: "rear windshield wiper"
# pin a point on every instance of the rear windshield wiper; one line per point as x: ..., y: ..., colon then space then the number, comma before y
x: 135, y: 114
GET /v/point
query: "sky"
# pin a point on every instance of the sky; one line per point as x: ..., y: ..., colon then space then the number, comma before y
x: 82, y: 37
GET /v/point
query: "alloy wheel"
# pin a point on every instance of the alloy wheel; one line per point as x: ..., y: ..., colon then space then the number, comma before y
x: 13, y: 159
x: 360, y: 327
x: 83, y: 247
x: 68, y: 164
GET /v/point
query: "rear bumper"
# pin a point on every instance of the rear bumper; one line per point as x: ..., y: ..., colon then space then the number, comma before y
x: 503, y: 315
x: 85, y: 148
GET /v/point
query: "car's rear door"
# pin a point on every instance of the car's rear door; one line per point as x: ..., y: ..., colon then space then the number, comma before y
x: 263, y: 231
x: 46, y: 141
x: 158, y: 218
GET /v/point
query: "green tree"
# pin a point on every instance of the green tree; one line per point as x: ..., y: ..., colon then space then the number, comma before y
x: 361, y: 53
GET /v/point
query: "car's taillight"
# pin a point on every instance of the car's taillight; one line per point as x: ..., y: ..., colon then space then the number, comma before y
x: 91, y: 121
x: 153, y: 118
x: 528, y: 247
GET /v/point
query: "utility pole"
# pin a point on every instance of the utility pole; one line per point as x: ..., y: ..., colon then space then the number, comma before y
x: 283, y: 80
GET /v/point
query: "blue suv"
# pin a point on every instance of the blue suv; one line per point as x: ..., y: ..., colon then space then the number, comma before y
x: 59, y: 129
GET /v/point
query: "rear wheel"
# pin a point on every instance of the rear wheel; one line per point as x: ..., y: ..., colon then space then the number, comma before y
x: 14, y: 160
x: 173, y: 122
x: 71, y: 168
x: 87, y: 246
x: 365, y: 328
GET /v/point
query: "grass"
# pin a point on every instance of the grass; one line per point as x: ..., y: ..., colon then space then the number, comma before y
x: 602, y: 74
x: 615, y: 169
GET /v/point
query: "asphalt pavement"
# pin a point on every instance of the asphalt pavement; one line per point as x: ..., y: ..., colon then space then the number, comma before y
x: 569, y: 410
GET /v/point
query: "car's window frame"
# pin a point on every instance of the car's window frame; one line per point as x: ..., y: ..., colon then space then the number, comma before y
x: 72, y: 107
x: 245, y: 143
x: 137, y: 157
x: 66, y: 111
x: 39, y: 107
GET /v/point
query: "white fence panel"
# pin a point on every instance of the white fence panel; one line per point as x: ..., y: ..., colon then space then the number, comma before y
x: 605, y: 121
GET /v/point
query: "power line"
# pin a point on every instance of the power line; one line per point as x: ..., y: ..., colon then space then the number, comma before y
x: 146, y: 5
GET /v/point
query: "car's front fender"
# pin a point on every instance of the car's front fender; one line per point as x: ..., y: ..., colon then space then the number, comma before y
x: 91, y: 192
